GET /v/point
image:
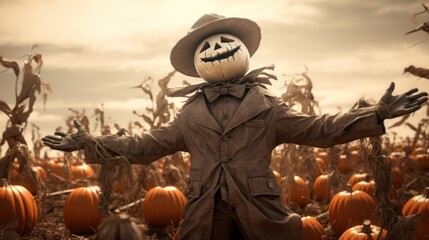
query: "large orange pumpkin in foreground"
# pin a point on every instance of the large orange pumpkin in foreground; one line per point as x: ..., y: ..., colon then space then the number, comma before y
x: 363, y: 232
x: 419, y: 204
x: 81, y: 211
x: 17, y: 201
x: 350, y: 208
x: 163, y: 206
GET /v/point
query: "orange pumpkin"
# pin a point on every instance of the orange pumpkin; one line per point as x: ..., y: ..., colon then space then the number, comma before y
x: 163, y: 206
x: 397, y: 177
x: 312, y: 229
x: 56, y: 168
x: 278, y: 177
x: 17, y: 201
x: 422, y: 161
x: 321, y: 190
x: 81, y: 171
x: 81, y: 211
x: 350, y: 208
x: 299, y: 192
x: 344, y: 165
x: 357, y: 177
x: 324, y: 156
x: 368, y: 187
x: 419, y: 204
x: 25, y: 180
x: 363, y: 232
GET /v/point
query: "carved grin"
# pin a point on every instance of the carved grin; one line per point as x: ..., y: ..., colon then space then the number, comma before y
x: 220, y: 56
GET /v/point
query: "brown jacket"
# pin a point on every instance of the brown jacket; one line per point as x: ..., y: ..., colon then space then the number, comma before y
x: 243, y: 150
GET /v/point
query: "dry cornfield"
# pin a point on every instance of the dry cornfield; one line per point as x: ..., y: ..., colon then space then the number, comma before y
x: 372, y: 184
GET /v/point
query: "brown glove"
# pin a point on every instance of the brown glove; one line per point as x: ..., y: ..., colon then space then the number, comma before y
x: 391, y: 106
x: 67, y: 142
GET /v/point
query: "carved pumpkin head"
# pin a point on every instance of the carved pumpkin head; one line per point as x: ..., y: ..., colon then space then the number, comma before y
x: 209, y: 29
x: 221, y: 57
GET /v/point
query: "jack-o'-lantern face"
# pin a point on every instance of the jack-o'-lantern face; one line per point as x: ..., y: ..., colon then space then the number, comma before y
x: 221, y: 57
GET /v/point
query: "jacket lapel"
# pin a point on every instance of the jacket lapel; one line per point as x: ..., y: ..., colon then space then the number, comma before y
x: 201, y: 114
x: 253, y: 103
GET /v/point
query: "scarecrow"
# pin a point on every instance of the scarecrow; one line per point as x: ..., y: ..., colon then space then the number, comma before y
x: 230, y: 124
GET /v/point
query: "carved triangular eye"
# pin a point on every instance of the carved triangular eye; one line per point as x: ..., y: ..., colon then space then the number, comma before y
x: 226, y: 40
x: 205, y: 47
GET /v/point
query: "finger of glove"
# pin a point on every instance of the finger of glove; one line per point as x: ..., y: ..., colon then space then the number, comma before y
x: 391, y: 87
x: 410, y: 109
x: 419, y: 101
x: 411, y: 91
x: 416, y: 96
x: 388, y: 94
x: 51, y: 138
x: 60, y: 134
x: 52, y: 145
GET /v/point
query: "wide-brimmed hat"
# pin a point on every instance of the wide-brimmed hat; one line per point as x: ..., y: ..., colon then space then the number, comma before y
x: 182, y: 54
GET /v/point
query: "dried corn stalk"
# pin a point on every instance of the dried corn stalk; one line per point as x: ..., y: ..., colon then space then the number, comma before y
x: 160, y: 110
x: 19, y: 114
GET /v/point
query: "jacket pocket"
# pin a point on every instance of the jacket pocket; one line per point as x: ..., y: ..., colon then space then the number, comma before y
x: 193, y: 190
x: 264, y: 186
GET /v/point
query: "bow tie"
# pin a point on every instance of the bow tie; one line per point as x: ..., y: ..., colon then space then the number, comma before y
x: 236, y: 87
x: 236, y: 90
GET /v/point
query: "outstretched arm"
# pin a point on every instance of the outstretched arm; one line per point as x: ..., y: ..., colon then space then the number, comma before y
x: 391, y: 106
x: 66, y: 142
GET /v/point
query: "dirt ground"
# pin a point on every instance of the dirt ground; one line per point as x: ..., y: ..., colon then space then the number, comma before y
x: 51, y: 224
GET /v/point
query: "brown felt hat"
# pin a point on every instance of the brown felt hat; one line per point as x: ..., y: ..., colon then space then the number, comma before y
x: 182, y: 54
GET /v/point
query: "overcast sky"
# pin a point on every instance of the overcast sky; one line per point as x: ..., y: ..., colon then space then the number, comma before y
x: 94, y: 51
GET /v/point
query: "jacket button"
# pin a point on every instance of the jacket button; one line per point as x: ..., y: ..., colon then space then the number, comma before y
x: 270, y: 185
x: 224, y: 137
x: 225, y: 159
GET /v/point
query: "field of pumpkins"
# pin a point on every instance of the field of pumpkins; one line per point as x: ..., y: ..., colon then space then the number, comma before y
x: 333, y: 201
x: 375, y: 188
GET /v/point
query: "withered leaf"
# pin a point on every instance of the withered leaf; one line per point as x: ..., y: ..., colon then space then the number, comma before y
x: 10, y: 64
x: 5, y: 108
x: 147, y: 119
x: 148, y: 92
x: 38, y: 59
x: 138, y: 124
x: 401, y: 121
x: 417, y: 71
x: 47, y: 87
x: 30, y: 83
x: 411, y: 126
x: 45, y: 99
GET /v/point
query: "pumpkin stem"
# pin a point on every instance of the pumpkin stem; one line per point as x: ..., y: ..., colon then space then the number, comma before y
x: 366, y: 227
x: 426, y: 192
x: 4, y: 182
x: 367, y: 178
x: 349, y: 188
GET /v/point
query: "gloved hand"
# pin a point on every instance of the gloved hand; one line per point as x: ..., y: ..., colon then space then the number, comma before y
x: 391, y: 106
x: 66, y: 142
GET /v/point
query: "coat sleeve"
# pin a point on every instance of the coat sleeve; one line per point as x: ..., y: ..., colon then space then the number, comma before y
x: 142, y: 149
x: 326, y: 130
